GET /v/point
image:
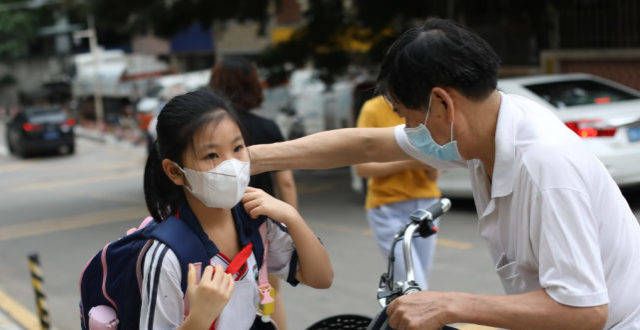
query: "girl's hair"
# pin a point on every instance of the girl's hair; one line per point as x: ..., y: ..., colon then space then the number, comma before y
x: 237, y: 79
x: 180, y: 119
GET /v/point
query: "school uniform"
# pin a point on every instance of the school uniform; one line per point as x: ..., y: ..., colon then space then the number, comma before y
x: 163, y: 302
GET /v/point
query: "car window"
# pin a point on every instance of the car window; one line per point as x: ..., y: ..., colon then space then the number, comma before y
x: 563, y: 94
x: 46, y: 116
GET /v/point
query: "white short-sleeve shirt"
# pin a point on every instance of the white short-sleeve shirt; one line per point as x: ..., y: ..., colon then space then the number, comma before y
x: 553, y: 217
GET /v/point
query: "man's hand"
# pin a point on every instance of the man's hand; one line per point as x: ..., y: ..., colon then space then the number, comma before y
x: 422, y: 310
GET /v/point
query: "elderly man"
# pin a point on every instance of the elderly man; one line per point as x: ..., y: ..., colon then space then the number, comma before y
x: 564, y: 241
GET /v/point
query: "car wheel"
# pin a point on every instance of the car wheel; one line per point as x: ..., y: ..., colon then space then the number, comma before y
x: 67, y: 149
x: 10, y: 146
x: 18, y: 149
x: 21, y: 151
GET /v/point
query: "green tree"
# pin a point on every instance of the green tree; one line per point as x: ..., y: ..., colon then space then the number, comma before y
x: 17, y: 29
x: 168, y: 17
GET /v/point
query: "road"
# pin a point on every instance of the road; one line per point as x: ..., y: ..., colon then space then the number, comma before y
x: 68, y: 207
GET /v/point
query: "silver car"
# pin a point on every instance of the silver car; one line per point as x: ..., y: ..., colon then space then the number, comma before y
x: 606, y: 114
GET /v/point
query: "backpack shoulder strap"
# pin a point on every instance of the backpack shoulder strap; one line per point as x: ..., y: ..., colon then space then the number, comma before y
x: 184, y: 243
x: 263, y: 274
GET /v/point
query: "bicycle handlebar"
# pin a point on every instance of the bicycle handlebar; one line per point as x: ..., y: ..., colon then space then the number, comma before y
x: 426, y: 217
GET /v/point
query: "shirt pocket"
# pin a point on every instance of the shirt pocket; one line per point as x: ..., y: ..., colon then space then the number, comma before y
x: 509, y: 275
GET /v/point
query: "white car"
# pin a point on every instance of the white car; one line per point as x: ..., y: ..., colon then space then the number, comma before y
x: 606, y: 114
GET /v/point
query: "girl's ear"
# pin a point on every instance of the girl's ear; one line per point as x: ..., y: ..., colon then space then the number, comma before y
x: 173, y: 172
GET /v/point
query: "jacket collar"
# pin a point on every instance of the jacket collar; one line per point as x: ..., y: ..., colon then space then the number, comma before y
x: 245, y: 227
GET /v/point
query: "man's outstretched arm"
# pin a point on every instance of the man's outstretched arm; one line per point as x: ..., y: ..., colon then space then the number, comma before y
x: 328, y: 149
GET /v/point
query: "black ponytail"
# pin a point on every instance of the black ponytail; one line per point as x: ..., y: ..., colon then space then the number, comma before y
x: 178, y: 122
x: 161, y: 194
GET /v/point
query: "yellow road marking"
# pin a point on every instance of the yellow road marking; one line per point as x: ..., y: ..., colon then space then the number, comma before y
x: 454, y: 244
x: 73, y: 182
x: 53, y: 167
x: 443, y: 242
x: 4, y: 169
x: 40, y: 227
x: 18, y: 313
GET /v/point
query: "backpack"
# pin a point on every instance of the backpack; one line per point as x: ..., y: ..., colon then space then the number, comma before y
x: 112, y: 279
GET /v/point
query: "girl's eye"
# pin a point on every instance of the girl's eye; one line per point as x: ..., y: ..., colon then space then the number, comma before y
x: 212, y: 155
x: 238, y: 148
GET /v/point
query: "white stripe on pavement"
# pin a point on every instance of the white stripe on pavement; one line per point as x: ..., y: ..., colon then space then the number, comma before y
x: 4, y: 151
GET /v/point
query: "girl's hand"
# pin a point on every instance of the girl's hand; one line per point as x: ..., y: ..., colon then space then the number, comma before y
x: 257, y: 202
x: 207, y: 298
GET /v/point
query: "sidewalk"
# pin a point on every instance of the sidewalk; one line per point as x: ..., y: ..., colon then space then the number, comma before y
x: 128, y: 138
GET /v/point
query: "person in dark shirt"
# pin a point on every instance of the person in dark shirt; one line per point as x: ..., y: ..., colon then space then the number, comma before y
x: 237, y: 79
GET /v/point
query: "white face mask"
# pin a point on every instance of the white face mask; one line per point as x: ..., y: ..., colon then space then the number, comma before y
x: 220, y: 187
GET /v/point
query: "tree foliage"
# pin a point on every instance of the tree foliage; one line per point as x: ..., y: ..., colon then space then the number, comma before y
x: 17, y: 29
x: 170, y: 16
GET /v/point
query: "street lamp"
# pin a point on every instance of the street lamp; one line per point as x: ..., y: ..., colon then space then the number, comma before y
x: 90, y: 33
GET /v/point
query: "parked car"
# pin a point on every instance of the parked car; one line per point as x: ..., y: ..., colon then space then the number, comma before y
x: 606, y: 114
x: 40, y: 129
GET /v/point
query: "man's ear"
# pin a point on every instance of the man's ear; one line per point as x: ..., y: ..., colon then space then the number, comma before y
x: 446, y: 99
x: 172, y: 171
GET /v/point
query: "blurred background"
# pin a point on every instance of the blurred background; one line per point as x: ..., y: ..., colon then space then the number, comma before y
x: 80, y: 82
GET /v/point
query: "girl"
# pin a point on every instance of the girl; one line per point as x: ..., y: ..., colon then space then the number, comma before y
x: 237, y: 79
x: 199, y: 173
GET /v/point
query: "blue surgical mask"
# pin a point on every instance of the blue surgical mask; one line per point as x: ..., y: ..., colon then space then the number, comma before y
x: 421, y: 139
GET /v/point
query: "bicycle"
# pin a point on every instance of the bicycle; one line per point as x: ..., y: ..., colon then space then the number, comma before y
x: 424, y: 223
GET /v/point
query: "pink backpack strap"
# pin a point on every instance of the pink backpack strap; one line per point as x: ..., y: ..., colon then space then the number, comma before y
x: 263, y: 275
x: 143, y: 224
x: 267, y: 304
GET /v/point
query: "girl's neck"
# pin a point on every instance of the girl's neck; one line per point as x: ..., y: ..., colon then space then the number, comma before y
x: 211, y: 219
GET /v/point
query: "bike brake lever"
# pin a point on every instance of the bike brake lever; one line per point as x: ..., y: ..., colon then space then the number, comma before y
x: 428, y: 228
x: 389, y: 296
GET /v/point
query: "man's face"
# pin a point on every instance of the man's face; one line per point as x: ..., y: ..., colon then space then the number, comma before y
x: 436, y: 122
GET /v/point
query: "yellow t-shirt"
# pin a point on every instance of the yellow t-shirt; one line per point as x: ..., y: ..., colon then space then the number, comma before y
x: 406, y: 185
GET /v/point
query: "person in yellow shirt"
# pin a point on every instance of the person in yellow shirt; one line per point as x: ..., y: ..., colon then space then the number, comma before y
x: 394, y: 190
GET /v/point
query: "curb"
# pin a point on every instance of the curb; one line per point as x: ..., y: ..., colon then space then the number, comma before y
x: 104, y: 138
x: 88, y: 134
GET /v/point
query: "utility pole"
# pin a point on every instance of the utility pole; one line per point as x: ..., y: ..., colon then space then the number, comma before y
x: 94, y: 49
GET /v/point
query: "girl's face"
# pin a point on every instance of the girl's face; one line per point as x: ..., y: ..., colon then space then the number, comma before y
x: 215, y: 143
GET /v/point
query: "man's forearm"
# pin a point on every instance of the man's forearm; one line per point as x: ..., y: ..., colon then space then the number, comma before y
x: 533, y: 310
x: 328, y: 149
